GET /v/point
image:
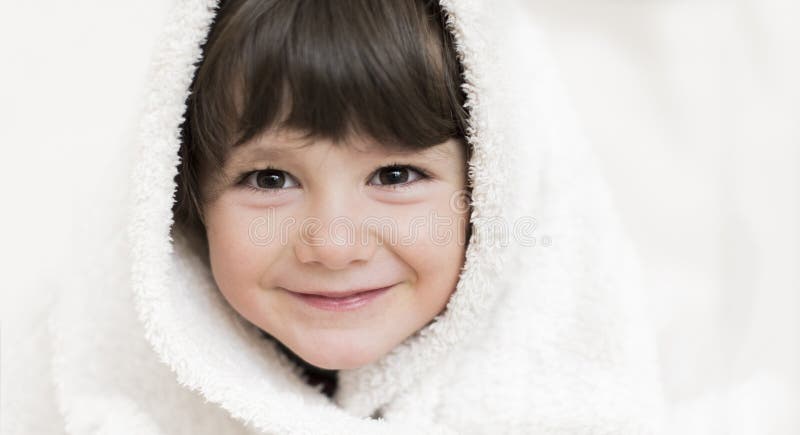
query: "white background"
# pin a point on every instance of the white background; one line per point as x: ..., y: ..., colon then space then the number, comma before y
x: 692, y: 105
x: 695, y: 110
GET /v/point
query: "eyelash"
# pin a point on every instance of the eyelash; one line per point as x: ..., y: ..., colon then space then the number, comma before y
x: 423, y: 176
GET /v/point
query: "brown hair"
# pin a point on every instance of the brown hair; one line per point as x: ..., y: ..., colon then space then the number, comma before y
x: 386, y: 69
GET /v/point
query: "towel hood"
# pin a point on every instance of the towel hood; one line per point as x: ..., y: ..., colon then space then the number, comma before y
x: 575, y: 279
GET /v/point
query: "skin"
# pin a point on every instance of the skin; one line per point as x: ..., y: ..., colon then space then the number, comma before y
x: 308, y: 232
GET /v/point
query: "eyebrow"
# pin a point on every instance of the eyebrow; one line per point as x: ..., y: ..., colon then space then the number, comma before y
x: 258, y: 150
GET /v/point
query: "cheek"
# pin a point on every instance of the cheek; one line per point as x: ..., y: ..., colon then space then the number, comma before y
x: 238, y: 258
x: 433, y: 245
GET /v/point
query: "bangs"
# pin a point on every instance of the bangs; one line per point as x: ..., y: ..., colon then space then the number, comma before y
x: 383, y: 69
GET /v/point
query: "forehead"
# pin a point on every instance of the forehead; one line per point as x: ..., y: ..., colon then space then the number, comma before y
x: 285, y: 145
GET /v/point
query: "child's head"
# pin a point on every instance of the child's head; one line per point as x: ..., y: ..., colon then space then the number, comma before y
x: 324, y: 151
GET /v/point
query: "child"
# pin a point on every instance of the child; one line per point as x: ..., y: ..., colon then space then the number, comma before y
x: 365, y: 106
x: 395, y: 195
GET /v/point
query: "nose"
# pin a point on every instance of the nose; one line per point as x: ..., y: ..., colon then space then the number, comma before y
x: 336, y: 242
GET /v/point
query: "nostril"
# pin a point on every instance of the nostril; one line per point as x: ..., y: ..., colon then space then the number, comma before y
x: 334, y: 254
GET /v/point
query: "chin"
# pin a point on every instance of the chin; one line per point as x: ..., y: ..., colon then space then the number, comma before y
x: 337, y: 352
x: 333, y: 363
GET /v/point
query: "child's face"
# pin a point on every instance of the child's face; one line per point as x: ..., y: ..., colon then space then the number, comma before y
x: 315, y: 223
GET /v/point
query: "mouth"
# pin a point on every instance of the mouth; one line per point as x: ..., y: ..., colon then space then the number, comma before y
x: 340, y: 301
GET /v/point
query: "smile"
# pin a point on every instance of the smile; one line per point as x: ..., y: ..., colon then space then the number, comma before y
x: 343, y: 301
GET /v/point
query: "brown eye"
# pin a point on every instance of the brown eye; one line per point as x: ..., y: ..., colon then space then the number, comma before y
x: 390, y: 175
x: 270, y: 179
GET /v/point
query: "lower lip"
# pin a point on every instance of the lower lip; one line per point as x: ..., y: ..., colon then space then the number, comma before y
x: 347, y: 303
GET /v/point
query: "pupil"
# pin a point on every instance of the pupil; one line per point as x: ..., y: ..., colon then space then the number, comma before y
x: 394, y: 176
x: 270, y: 179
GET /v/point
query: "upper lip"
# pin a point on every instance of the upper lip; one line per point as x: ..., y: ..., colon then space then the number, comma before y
x: 338, y: 294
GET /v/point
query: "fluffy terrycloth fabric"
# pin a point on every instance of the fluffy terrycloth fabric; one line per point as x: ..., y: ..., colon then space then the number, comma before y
x: 544, y: 333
